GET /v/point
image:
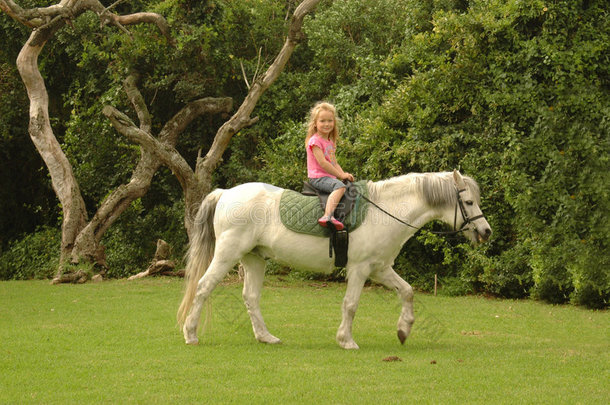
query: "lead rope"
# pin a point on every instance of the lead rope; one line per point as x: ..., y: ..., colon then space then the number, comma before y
x: 387, y: 213
x: 454, y: 232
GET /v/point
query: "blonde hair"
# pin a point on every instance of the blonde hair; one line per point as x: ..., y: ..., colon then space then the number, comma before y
x: 313, y: 117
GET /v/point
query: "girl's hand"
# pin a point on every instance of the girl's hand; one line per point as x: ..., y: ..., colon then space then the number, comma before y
x: 347, y: 176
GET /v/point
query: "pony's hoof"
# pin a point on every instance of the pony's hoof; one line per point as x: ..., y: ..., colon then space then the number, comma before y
x: 349, y: 345
x: 192, y: 342
x: 270, y: 340
x: 189, y: 337
x: 402, y: 336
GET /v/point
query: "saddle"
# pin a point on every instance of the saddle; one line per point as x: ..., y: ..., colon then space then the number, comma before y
x: 345, y: 206
x: 300, y: 212
x: 339, y: 240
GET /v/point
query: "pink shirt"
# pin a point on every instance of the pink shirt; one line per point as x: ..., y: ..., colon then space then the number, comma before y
x: 314, y: 170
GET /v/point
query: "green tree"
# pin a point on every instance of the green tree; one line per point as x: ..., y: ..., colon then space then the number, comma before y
x: 514, y: 93
x: 146, y: 64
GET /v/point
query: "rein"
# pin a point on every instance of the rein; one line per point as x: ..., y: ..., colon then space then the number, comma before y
x: 459, y: 203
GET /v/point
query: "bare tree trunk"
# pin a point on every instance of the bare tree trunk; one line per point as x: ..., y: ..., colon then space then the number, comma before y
x: 80, y: 237
x: 161, y: 150
x: 160, y: 264
x: 62, y: 177
x: 197, y: 183
x: 88, y: 241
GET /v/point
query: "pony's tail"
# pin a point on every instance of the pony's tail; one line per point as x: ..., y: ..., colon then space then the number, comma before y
x: 200, y: 252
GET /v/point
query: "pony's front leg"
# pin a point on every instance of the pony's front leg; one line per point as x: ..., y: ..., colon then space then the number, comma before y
x: 254, y: 272
x: 355, y: 283
x: 389, y: 278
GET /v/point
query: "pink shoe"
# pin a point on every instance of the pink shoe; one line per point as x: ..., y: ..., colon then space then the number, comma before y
x: 333, y: 221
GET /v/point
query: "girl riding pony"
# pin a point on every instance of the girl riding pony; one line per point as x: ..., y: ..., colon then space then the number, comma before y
x: 324, y: 173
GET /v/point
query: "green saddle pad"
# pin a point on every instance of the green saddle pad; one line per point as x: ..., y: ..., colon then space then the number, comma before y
x: 300, y: 213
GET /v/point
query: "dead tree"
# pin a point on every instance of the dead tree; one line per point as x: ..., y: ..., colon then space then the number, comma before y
x: 81, y: 236
x: 197, y: 182
x: 160, y: 263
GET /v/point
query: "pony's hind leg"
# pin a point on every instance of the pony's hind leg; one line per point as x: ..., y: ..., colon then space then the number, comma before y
x: 254, y: 272
x: 389, y: 278
x: 213, y: 275
x: 226, y: 255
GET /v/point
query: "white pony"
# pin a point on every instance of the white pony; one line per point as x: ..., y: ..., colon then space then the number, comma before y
x: 243, y: 224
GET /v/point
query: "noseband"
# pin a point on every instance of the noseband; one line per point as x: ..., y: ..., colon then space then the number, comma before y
x: 458, y: 203
x: 467, y: 219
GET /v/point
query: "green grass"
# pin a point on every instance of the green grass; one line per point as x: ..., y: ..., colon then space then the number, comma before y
x: 117, y: 342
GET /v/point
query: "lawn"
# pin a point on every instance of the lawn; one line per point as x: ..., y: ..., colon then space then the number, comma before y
x: 118, y: 342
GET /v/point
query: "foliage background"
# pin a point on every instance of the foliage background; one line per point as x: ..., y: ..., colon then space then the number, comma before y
x: 515, y: 93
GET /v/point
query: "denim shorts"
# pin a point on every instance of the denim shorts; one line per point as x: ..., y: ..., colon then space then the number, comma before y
x: 326, y: 184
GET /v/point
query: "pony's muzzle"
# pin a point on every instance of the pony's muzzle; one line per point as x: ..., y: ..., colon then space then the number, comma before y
x: 484, y: 234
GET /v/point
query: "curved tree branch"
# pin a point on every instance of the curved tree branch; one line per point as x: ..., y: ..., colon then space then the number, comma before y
x: 194, y: 109
x: 145, y: 18
x: 241, y: 118
x: 165, y: 153
x: 75, y: 229
x: 163, y: 148
x: 137, y: 101
x: 34, y: 17
x: 153, y: 153
x: 42, y: 17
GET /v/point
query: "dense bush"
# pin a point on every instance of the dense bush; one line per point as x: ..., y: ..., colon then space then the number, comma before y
x: 131, y: 242
x: 515, y: 93
x: 35, y: 256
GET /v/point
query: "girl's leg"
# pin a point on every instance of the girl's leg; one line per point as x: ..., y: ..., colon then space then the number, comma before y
x: 331, y: 204
x: 333, y: 201
x: 336, y: 188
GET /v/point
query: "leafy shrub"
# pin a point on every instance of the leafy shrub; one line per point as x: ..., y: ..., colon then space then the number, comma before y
x: 514, y: 93
x: 35, y: 256
x: 131, y: 242
x: 454, y: 286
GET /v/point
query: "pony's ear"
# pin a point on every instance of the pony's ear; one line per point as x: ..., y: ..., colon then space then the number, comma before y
x: 459, y: 181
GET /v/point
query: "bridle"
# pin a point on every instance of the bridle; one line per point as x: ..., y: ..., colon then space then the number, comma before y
x: 467, y: 219
x: 459, y: 203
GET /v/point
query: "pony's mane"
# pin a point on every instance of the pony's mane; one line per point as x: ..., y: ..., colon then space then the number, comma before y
x: 436, y: 189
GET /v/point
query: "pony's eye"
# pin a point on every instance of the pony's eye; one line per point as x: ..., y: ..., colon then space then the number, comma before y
x: 469, y: 202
